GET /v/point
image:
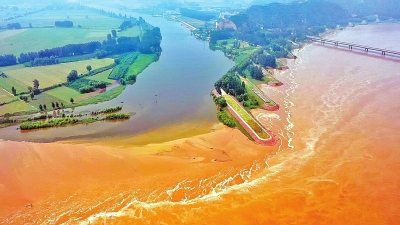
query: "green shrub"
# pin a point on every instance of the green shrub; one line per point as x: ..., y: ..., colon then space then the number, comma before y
x: 220, y: 101
x: 108, y: 110
x: 30, y: 125
x: 117, y: 116
x: 226, y: 119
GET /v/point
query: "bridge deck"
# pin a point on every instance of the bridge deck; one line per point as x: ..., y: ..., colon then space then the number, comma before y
x: 351, y: 45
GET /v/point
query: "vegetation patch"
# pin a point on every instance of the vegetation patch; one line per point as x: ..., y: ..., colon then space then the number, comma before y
x: 103, y: 77
x: 226, y: 118
x: 58, y: 122
x: 247, y: 117
x: 120, y: 72
x: 102, y: 97
x: 86, y: 86
x: 117, y: 116
x: 108, y: 110
x: 141, y: 63
x: 250, y: 88
x: 66, y: 121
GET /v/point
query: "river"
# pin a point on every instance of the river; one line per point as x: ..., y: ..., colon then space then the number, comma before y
x: 339, y: 159
x: 337, y: 163
x: 175, y: 89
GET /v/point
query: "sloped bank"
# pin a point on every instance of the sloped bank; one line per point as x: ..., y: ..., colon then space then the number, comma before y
x: 270, y: 141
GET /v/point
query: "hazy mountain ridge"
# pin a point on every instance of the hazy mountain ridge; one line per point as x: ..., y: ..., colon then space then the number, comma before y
x: 385, y: 8
x: 296, y: 14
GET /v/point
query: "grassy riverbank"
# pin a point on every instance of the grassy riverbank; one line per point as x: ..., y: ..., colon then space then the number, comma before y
x: 66, y: 121
x: 247, y: 117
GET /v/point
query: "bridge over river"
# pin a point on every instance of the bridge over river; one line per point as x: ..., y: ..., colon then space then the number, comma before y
x: 353, y: 45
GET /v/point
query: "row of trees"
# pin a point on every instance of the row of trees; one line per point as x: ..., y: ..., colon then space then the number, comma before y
x: 67, y: 24
x: 14, y: 26
x: 8, y: 60
x: 67, y: 50
x: 149, y: 44
x: 57, y: 105
x: 42, y: 61
x: 231, y: 83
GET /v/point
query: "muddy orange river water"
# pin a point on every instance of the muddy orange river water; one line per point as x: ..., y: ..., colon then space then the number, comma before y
x: 337, y: 162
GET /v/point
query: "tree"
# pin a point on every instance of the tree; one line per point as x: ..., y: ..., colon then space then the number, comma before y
x: 114, y: 33
x: 36, y: 87
x: 32, y: 95
x: 62, y: 105
x: 44, y: 107
x: 220, y: 101
x: 89, y: 68
x: 30, y: 89
x: 256, y: 73
x: 41, y: 107
x: 53, y: 105
x: 72, y: 100
x: 8, y: 60
x: 57, y: 105
x: 35, y: 84
x: 73, y: 75
x: 13, y: 91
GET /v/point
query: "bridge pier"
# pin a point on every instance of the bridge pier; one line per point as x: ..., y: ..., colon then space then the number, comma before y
x: 366, y: 49
x: 350, y: 47
x: 383, y: 53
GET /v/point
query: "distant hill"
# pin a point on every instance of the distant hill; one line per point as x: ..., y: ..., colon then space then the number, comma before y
x: 297, y: 14
x: 384, y: 8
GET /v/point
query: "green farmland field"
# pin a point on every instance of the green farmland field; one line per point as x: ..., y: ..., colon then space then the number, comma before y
x: 65, y: 94
x: 18, y: 106
x: 94, y: 27
x: 32, y: 40
x: 21, y: 77
x: 143, y: 61
x: 131, y: 32
x: 8, y: 83
x: 94, y: 20
x: 6, y: 96
x: 103, y: 76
